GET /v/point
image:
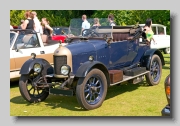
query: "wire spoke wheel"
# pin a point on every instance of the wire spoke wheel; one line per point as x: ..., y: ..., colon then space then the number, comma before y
x: 35, y: 91
x: 31, y: 92
x: 91, y: 90
x: 154, y: 76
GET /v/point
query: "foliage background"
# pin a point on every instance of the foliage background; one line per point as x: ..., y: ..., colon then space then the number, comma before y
x: 122, y: 17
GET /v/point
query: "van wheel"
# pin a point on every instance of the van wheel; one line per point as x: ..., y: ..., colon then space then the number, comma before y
x: 166, y: 50
x: 91, y: 90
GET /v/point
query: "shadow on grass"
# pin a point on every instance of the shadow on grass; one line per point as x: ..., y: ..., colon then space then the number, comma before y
x: 123, y: 88
x: 54, y: 102
x: 70, y: 102
x: 19, y: 100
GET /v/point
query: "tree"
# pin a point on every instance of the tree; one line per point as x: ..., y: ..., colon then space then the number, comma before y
x: 122, y: 17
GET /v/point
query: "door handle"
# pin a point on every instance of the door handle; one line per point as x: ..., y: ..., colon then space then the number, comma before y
x: 42, y: 52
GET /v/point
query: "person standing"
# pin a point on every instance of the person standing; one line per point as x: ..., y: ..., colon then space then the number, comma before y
x: 111, y: 20
x: 85, y: 24
x: 96, y: 22
x: 38, y: 27
x: 29, y: 22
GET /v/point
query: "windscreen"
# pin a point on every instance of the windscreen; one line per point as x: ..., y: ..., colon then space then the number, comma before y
x: 93, y: 27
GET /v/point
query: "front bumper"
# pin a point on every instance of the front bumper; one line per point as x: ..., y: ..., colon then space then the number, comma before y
x: 64, y: 89
x: 166, y: 111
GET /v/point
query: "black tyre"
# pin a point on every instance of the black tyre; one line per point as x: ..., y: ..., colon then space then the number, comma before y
x: 91, y: 91
x: 166, y: 50
x: 30, y: 93
x: 154, y: 76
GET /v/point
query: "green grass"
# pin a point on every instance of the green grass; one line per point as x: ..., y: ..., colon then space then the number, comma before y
x: 123, y: 100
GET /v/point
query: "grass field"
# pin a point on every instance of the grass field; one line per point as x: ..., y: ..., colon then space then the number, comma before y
x: 123, y: 100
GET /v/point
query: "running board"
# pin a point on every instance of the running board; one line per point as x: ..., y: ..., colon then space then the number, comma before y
x: 126, y: 78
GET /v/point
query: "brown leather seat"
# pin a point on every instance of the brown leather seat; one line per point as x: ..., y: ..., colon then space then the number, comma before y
x: 26, y: 38
x: 120, y: 36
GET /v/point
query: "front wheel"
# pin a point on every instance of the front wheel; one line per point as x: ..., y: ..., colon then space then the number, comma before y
x: 31, y: 93
x: 154, y: 76
x: 92, y: 90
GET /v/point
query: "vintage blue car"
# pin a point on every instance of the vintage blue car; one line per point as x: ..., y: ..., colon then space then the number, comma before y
x: 93, y: 60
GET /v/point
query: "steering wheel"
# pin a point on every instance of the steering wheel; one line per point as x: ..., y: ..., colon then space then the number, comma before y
x: 89, y: 33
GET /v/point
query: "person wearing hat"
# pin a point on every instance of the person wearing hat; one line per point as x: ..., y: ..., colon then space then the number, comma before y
x: 38, y: 27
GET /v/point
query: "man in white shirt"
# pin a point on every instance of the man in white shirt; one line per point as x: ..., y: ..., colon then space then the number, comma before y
x: 85, y: 24
x: 38, y: 27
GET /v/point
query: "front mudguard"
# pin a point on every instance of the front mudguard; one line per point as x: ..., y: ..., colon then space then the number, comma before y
x: 86, y: 67
x: 146, y: 58
x: 27, y: 67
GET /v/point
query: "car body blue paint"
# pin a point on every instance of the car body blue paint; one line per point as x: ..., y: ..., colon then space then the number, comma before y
x: 80, y: 53
x: 29, y: 64
x: 115, y: 55
x: 102, y: 51
x: 140, y: 53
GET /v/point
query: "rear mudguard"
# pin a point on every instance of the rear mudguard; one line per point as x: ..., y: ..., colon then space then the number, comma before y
x: 29, y: 64
x: 146, y: 59
x: 86, y: 67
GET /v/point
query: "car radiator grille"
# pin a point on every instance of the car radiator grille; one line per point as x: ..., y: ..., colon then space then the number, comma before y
x: 58, y: 62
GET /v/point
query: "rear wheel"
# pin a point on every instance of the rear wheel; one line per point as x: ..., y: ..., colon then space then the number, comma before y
x: 91, y: 90
x: 31, y: 93
x: 154, y: 76
x: 167, y: 50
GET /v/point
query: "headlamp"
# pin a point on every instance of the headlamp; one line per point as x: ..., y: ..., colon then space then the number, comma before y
x: 65, y: 70
x: 37, y: 67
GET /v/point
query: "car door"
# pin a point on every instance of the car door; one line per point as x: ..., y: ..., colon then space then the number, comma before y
x: 23, y: 48
x: 132, y: 47
x: 13, y: 37
x: 161, y: 39
x: 118, y: 54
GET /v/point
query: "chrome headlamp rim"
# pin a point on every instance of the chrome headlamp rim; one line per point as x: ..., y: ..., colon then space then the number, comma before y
x: 65, y: 70
x: 36, y: 69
